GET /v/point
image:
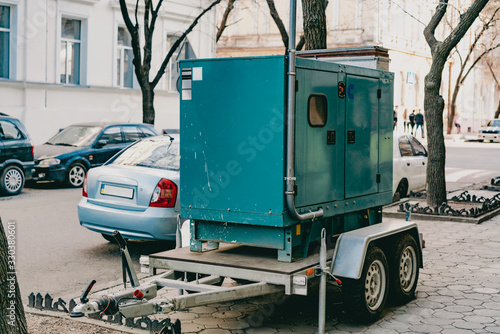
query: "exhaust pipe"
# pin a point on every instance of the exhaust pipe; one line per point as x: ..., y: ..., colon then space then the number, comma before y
x: 290, y: 156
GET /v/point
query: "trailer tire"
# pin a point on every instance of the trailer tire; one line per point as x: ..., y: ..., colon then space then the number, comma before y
x: 365, y: 298
x: 404, y: 270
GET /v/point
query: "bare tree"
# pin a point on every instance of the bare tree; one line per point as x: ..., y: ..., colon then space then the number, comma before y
x: 142, y: 61
x: 433, y: 101
x: 225, y: 16
x: 12, y: 319
x: 487, y: 24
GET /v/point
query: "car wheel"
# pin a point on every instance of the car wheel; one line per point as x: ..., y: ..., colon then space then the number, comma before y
x: 480, y: 140
x: 402, y: 188
x: 404, y: 270
x: 365, y: 298
x: 12, y: 180
x: 76, y: 175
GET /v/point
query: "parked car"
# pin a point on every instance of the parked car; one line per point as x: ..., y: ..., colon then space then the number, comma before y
x: 68, y: 155
x: 135, y: 192
x: 16, y: 155
x: 409, y: 165
x: 491, y: 131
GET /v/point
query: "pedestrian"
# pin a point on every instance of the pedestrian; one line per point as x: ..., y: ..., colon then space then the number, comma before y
x: 457, y: 123
x: 412, y: 120
x: 395, y: 117
x: 406, y: 123
x: 419, y: 121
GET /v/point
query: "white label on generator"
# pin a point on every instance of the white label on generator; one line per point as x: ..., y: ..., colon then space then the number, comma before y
x: 197, y: 73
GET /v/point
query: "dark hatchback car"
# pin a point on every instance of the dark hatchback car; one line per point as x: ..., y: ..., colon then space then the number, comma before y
x: 16, y: 155
x: 68, y: 155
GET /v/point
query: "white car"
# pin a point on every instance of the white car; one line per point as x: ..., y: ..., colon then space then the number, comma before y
x: 409, y: 165
x: 491, y: 131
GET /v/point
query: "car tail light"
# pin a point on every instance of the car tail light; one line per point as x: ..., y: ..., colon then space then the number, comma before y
x: 164, y: 194
x: 84, y: 187
x: 32, y: 149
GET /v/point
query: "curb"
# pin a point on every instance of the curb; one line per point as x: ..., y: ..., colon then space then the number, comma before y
x: 103, y: 324
x: 455, y: 219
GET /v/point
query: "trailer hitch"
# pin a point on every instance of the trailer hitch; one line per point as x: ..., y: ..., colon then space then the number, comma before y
x: 127, y: 266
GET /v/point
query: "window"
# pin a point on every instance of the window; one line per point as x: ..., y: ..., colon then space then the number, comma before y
x: 4, y: 41
x: 9, y: 131
x: 418, y: 148
x: 112, y: 136
x: 130, y: 133
x: 147, y: 132
x: 185, y: 51
x: 405, y: 147
x: 124, y: 57
x: 317, y: 110
x: 70, y: 51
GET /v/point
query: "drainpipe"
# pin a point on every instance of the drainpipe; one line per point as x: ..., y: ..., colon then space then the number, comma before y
x: 290, y: 138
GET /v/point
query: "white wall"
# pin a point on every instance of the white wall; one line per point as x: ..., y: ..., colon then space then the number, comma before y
x: 33, y: 92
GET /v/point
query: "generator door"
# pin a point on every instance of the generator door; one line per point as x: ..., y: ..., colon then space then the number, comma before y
x: 319, y: 160
x: 362, y: 138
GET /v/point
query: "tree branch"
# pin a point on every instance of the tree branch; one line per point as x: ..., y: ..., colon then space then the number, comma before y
x: 279, y: 23
x: 174, y: 47
x: 430, y: 29
x: 223, y: 22
x: 485, y: 52
x: 300, y: 44
x: 493, y: 74
x: 465, y: 22
x: 136, y: 47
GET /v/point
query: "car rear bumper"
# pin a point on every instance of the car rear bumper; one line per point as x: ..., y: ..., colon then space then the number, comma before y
x: 151, y: 224
x: 49, y: 174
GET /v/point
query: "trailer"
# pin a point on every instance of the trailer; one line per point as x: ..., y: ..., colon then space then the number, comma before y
x: 286, y: 163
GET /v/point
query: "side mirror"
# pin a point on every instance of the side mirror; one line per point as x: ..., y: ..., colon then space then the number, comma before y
x: 101, y: 143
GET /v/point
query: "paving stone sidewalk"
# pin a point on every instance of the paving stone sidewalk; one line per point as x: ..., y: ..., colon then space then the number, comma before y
x: 458, y: 292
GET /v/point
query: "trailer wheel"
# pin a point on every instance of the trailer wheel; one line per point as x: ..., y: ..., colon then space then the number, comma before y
x: 404, y: 270
x: 365, y: 298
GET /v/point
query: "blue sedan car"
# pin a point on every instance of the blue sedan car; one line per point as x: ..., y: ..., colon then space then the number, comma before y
x: 68, y: 155
x: 136, y: 192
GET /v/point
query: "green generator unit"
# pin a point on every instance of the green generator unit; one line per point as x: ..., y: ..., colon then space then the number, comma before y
x: 236, y: 185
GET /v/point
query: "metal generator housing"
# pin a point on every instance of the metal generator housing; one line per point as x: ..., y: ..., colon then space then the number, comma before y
x: 233, y: 125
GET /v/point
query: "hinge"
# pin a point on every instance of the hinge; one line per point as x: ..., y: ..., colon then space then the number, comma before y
x: 378, y: 178
x: 379, y: 93
x: 295, y: 188
x: 296, y: 85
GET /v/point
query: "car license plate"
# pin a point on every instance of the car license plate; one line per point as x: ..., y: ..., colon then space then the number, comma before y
x: 107, y: 189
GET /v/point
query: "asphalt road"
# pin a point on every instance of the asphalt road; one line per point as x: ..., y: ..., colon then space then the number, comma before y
x: 56, y: 255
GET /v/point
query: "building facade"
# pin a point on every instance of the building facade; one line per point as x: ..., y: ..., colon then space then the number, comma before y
x: 393, y: 24
x: 70, y: 61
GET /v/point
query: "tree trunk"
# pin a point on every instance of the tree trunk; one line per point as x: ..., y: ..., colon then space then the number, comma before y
x: 12, y: 319
x: 148, y: 109
x: 314, y: 24
x: 433, y: 107
x: 497, y: 113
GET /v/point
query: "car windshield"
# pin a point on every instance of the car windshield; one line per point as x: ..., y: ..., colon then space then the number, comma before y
x: 155, y: 153
x: 495, y: 122
x: 76, y: 136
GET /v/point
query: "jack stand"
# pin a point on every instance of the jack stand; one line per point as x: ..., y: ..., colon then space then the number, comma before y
x: 127, y: 266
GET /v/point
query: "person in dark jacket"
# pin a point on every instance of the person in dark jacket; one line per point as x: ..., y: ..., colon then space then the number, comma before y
x: 412, y: 120
x: 419, y: 121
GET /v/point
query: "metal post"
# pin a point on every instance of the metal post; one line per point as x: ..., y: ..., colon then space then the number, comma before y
x: 178, y: 235
x: 322, y: 284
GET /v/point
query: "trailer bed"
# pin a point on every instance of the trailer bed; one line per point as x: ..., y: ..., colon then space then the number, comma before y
x: 239, y: 262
